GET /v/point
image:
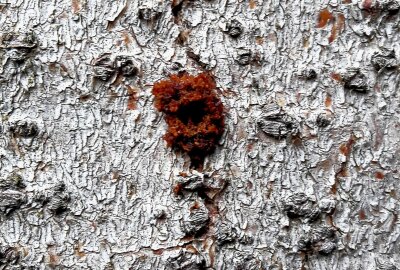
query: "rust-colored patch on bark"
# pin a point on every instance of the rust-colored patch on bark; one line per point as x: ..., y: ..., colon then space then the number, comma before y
x: 126, y: 38
x: 76, y: 6
x: 344, y: 149
x: 259, y: 40
x: 367, y: 4
x: 337, y: 27
x: 158, y: 251
x: 177, y: 189
x: 340, y: 22
x: 52, y: 67
x: 78, y: 252
x: 183, y: 37
x: 343, y: 172
x: 346, y: 1
x: 336, y: 76
x: 324, y: 17
x: 183, y: 174
x: 195, y: 206
x: 115, y: 175
x: 193, y: 112
x: 252, y: 4
x: 211, y: 252
x: 296, y: 140
x: 325, y: 165
x: 192, y: 249
x: 132, y: 97
x: 328, y: 101
x: 54, y: 260
x: 250, y: 147
x: 379, y: 175
x: 362, y: 215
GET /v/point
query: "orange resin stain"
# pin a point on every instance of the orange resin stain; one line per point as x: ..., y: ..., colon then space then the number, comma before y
x: 345, y: 148
x: 252, y: 4
x: 336, y: 76
x: 328, y: 101
x: 177, y: 189
x: 193, y: 112
x: 132, y: 98
x: 324, y: 17
x: 343, y: 173
x: 379, y: 176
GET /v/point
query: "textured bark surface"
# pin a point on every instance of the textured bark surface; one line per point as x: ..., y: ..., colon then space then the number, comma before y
x: 304, y: 177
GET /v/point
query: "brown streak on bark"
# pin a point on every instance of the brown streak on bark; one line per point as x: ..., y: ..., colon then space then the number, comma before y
x: 324, y: 17
x: 132, y: 94
x: 76, y: 6
x: 252, y: 4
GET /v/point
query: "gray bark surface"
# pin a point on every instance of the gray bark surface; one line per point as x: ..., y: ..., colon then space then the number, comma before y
x: 304, y: 177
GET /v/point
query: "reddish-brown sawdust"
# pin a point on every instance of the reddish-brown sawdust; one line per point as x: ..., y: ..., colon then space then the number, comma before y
x: 193, y: 112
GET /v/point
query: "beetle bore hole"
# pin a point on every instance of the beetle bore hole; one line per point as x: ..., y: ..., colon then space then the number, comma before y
x: 193, y: 112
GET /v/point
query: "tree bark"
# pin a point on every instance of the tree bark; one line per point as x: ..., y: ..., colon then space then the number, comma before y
x: 305, y: 175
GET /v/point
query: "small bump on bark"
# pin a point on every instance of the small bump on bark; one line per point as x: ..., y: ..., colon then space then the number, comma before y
x: 18, y: 45
x: 203, y: 184
x: 355, y: 80
x: 384, y: 59
x: 126, y: 65
x: 103, y: 67
x: 243, y: 57
x: 196, y: 220
x: 11, y: 200
x: 276, y: 123
x: 392, y: 7
x: 300, y: 206
x: 225, y: 233
x: 234, y: 28
x: 186, y: 260
x: 24, y: 129
x: 13, y: 181
x: 246, y: 262
x: 309, y: 74
x: 148, y: 14
x: 9, y: 256
x: 324, y: 119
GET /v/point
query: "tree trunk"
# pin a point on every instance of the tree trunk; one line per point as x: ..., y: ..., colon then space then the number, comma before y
x: 305, y: 175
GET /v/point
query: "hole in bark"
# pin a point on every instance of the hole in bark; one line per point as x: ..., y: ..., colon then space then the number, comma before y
x: 194, y: 112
